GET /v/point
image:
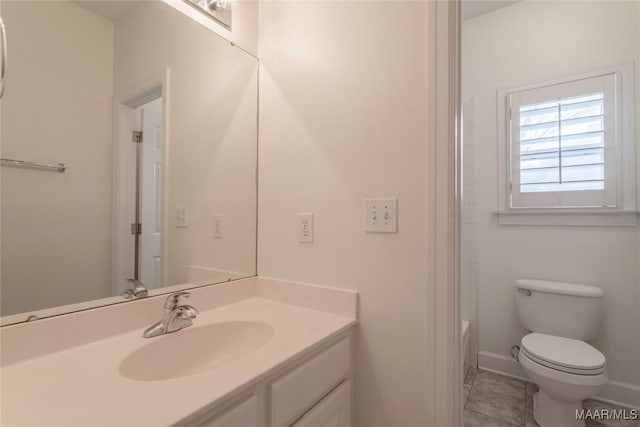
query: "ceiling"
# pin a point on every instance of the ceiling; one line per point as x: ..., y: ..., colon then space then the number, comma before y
x: 473, y: 8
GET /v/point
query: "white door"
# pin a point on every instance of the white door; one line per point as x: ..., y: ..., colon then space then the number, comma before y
x: 150, y: 194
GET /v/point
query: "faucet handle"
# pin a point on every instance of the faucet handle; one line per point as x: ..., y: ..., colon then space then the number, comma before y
x: 172, y: 300
x: 189, y: 311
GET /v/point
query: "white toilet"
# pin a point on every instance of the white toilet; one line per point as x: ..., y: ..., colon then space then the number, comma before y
x: 555, y: 355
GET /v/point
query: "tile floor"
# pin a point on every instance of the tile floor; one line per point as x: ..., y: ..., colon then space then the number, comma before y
x: 492, y: 400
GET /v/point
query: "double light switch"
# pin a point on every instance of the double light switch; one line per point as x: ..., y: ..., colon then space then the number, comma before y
x: 381, y: 215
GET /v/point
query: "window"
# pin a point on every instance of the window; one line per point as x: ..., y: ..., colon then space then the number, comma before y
x: 563, y: 144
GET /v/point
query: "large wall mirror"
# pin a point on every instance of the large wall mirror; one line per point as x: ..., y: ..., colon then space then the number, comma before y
x: 154, y: 118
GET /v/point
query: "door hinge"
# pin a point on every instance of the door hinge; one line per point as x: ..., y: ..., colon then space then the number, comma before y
x: 136, y: 228
x: 136, y: 136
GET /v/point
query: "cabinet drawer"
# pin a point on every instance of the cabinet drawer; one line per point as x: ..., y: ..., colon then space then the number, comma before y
x: 296, y: 392
x: 332, y: 411
x: 244, y: 414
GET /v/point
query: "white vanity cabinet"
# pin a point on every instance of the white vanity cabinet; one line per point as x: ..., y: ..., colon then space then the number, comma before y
x: 300, y: 389
x: 332, y: 411
x: 314, y: 391
x: 278, y: 359
x: 244, y: 413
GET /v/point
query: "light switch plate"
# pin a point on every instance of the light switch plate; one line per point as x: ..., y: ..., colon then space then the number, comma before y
x: 305, y: 227
x: 218, y: 226
x: 182, y: 217
x: 381, y: 215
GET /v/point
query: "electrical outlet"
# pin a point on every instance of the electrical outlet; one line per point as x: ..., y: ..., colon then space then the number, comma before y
x: 182, y: 217
x: 381, y: 215
x: 305, y: 227
x: 218, y: 224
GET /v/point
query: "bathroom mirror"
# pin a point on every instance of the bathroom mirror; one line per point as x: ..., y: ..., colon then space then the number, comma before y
x: 149, y: 121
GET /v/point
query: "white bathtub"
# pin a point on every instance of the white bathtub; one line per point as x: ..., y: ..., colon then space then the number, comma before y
x: 465, y: 347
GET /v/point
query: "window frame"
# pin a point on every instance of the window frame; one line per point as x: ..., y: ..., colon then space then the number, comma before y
x: 606, y: 198
x: 620, y: 178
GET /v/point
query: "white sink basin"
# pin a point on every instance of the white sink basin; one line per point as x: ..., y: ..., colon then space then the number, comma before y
x: 194, y: 349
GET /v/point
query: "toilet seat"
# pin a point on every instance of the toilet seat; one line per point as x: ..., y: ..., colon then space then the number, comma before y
x: 563, y: 354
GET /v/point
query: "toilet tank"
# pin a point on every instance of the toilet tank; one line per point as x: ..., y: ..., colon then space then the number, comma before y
x: 567, y: 310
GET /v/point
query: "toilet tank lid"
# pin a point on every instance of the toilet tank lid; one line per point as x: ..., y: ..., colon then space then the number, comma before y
x: 562, y: 288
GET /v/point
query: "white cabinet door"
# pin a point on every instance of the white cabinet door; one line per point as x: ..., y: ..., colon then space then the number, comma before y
x: 297, y: 391
x: 243, y: 415
x: 332, y: 411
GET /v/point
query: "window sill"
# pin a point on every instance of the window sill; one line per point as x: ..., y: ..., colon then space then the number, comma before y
x: 568, y: 217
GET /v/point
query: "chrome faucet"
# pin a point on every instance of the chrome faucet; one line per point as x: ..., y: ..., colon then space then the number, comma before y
x: 138, y: 290
x: 175, y: 316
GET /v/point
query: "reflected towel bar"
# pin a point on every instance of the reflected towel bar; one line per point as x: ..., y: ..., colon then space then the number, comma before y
x: 60, y: 167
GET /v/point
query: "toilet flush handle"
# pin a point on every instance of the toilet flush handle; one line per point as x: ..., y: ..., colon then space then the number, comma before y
x: 527, y: 292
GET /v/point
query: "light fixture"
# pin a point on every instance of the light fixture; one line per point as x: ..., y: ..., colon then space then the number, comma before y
x: 219, y: 4
x: 219, y: 10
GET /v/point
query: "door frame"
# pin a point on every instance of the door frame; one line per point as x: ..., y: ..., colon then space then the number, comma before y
x: 124, y: 170
x: 443, y: 324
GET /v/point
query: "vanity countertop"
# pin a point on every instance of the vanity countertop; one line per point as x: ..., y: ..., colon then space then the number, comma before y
x: 83, y: 385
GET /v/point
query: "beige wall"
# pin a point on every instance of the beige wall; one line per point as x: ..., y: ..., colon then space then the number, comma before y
x: 244, y: 22
x: 245, y: 25
x: 212, y: 133
x: 500, y: 52
x: 342, y: 118
x: 56, y: 228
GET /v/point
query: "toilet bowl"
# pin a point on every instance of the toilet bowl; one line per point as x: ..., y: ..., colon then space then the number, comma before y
x: 555, y: 355
x: 566, y: 371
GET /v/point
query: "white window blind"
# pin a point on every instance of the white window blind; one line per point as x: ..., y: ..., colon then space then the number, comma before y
x: 563, y: 144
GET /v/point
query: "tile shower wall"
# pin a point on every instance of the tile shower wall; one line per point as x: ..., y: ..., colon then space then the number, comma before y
x: 469, y: 257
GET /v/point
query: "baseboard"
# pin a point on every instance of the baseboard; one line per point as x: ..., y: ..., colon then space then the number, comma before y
x: 501, y: 365
x: 616, y: 392
x: 620, y: 393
